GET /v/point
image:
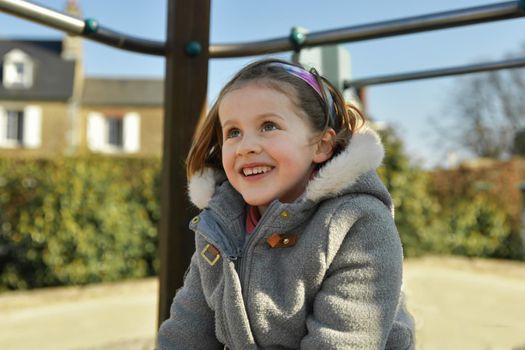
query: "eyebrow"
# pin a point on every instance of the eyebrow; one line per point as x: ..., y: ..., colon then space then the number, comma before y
x: 260, y: 116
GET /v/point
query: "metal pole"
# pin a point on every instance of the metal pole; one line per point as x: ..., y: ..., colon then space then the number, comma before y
x: 361, y: 95
x: 92, y: 30
x: 109, y: 37
x: 88, y: 28
x: 522, y: 221
x: 185, y: 100
x: 441, y: 20
x: 436, y: 73
x: 42, y: 15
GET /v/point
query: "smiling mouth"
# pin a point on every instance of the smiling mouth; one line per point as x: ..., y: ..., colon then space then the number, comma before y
x: 255, y: 170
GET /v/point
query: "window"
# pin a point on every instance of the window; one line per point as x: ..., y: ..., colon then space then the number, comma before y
x: 15, y: 126
x: 18, y: 70
x: 20, y: 127
x: 18, y: 75
x: 113, y: 134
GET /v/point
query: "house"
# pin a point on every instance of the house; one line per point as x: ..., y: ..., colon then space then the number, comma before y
x: 35, y: 94
x: 48, y: 107
x: 121, y: 116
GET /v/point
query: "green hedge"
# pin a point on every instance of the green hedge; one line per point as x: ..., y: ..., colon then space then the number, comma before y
x: 430, y: 221
x: 91, y: 219
x: 77, y: 220
x: 416, y: 210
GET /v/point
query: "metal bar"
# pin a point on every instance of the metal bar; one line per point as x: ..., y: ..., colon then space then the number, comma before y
x: 88, y: 28
x: 441, y: 20
x: 126, y: 42
x: 42, y: 15
x: 436, y: 73
x: 184, y: 102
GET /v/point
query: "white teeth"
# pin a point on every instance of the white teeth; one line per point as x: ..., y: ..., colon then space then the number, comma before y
x: 256, y: 170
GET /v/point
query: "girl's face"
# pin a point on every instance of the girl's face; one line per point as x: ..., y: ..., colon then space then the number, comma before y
x: 268, y: 150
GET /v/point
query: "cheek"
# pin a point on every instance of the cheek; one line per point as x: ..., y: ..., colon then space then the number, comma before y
x: 227, y: 160
x: 292, y: 152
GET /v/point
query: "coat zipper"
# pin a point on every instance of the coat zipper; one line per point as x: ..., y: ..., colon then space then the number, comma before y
x: 249, y: 245
x: 240, y: 264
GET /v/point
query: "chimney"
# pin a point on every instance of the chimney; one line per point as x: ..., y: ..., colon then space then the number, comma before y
x: 72, y: 45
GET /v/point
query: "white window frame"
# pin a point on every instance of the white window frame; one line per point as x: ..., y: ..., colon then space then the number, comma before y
x: 31, y: 117
x: 12, y: 77
x: 98, y: 129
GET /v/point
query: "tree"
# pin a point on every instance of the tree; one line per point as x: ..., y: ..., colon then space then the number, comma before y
x: 488, y: 111
x: 444, y: 212
x: 416, y: 210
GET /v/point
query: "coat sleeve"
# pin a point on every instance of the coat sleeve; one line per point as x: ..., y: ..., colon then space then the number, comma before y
x: 192, y: 323
x: 356, y: 305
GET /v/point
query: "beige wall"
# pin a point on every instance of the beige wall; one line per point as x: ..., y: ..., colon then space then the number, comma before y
x: 54, y: 129
x: 151, y: 134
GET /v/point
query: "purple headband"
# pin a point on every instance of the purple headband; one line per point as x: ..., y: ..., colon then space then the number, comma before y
x: 310, y: 79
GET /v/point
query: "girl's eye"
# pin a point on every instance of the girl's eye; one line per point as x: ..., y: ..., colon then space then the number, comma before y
x: 233, y: 133
x: 269, y: 126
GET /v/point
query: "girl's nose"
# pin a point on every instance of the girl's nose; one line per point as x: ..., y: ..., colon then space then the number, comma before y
x: 249, y: 144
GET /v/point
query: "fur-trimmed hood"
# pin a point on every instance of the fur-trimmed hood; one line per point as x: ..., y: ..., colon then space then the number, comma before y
x: 363, y: 154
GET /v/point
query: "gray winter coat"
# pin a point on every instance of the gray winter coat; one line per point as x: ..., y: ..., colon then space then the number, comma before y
x: 323, y: 272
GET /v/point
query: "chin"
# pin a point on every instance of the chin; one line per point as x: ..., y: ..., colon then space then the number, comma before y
x: 256, y: 202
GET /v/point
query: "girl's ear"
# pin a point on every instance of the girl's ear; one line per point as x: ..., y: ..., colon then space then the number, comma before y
x: 325, y: 147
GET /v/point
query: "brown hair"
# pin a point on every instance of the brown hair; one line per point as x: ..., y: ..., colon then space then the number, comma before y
x: 205, y: 150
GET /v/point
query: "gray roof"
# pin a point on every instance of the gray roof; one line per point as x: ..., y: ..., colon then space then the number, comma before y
x: 53, y: 76
x: 120, y: 92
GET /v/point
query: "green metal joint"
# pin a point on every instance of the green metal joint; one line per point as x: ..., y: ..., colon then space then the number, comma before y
x: 90, y: 26
x: 297, y: 38
x: 193, y: 48
x: 521, y: 5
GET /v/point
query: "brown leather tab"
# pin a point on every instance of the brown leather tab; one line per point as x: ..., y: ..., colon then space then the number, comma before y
x: 274, y: 240
x: 282, y: 240
x: 211, y: 254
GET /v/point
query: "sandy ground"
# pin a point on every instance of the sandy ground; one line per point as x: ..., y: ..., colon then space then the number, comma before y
x: 467, y: 304
x: 457, y: 303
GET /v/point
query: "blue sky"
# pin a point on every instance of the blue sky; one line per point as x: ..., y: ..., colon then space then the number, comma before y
x: 410, y: 107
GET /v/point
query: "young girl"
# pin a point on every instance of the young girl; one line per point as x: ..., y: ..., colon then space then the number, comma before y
x: 296, y: 246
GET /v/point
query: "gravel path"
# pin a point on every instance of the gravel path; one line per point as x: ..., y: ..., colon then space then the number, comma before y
x: 118, y: 316
x: 457, y: 303
x: 467, y: 304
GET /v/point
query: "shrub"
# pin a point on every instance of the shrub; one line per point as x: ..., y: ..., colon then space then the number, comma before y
x: 416, y: 210
x: 91, y: 219
x: 449, y: 214
x: 77, y: 220
x: 476, y: 227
